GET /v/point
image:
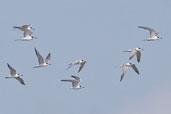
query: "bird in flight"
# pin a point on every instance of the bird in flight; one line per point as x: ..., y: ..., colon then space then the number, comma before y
x: 26, y: 28
x: 78, y: 62
x: 42, y: 62
x: 27, y: 37
x: 153, y: 34
x: 135, y: 51
x: 125, y: 68
x: 13, y: 74
x: 75, y: 83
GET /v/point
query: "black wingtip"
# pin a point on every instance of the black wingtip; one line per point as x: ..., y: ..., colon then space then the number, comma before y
x: 8, y: 65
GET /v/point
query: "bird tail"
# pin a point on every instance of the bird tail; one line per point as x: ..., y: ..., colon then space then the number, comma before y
x: 36, y: 66
x: 145, y: 40
x: 70, y: 65
x: 7, y: 77
x: 18, y: 40
x: 127, y: 51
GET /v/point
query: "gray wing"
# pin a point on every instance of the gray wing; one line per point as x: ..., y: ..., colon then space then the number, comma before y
x: 27, y: 33
x: 76, y: 78
x: 74, y: 82
x: 26, y: 26
x: 20, y: 80
x: 135, y: 68
x: 124, y: 69
x: 67, y: 80
x: 23, y: 28
x: 12, y: 70
x: 70, y: 65
x: 133, y: 53
x: 40, y: 58
x: 48, y: 58
x: 138, y: 56
x: 152, y: 31
x: 81, y: 66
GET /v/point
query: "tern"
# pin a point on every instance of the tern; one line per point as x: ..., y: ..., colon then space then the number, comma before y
x: 75, y: 83
x: 78, y: 62
x: 27, y: 37
x: 153, y: 34
x: 41, y: 61
x: 125, y: 67
x: 26, y: 28
x: 135, y: 51
x: 13, y: 74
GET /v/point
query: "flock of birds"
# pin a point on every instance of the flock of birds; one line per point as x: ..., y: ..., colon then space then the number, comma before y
x: 28, y: 36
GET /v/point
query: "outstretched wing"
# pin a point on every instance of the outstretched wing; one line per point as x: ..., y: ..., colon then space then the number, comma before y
x: 133, y: 53
x: 27, y: 33
x: 23, y: 27
x: 20, y: 80
x: 135, y: 68
x: 70, y: 65
x: 48, y: 58
x: 76, y: 78
x: 12, y: 70
x: 152, y: 31
x: 74, y: 82
x: 40, y: 58
x: 81, y: 66
x: 124, y: 69
x: 138, y: 56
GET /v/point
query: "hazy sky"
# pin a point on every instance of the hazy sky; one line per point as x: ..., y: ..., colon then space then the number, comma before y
x: 96, y: 31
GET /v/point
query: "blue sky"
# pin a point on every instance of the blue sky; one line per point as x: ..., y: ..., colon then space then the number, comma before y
x: 96, y: 31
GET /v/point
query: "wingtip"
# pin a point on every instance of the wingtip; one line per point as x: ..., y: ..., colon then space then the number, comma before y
x: 73, y: 76
x: 8, y: 65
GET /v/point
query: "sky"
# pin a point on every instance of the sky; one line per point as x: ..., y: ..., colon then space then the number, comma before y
x: 97, y: 31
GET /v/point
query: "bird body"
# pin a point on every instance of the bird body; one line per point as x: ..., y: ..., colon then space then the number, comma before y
x: 78, y: 62
x: 75, y: 83
x: 42, y: 62
x: 13, y: 74
x: 153, y: 34
x: 135, y: 51
x: 125, y: 68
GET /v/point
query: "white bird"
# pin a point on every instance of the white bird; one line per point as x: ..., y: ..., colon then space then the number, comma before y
x: 13, y: 74
x: 153, y: 34
x: 41, y: 61
x: 27, y: 37
x: 26, y: 28
x: 75, y: 83
x: 78, y: 62
x: 135, y: 51
x: 125, y: 67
